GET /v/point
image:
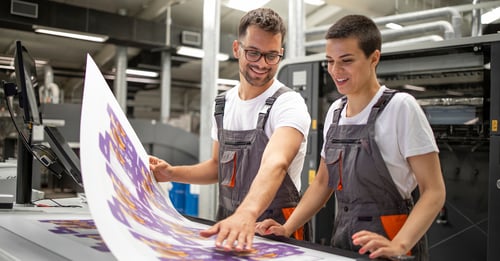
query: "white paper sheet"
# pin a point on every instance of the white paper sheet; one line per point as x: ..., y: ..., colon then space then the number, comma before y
x: 69, y: 235
x: 136, y: 220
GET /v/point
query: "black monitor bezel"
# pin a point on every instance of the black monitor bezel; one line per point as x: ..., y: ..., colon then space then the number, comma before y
x: 26, y: 79
x: 65, y: 155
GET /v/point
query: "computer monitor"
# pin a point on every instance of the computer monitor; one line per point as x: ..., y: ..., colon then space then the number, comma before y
x: 27, y: 90
x: 66, y: 156
x: 59, y: 158
x: 26, y: 79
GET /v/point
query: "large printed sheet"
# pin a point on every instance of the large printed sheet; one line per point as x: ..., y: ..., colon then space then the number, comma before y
x: 35, y: 234
x: 133, y: 215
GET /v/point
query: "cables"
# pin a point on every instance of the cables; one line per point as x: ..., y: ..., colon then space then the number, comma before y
x: 42, y: 153
x: 57, y: 204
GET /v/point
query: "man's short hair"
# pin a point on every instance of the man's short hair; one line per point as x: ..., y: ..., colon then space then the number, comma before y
x: 266, y: 19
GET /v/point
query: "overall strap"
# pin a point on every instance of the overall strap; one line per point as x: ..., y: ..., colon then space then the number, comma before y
x: 220, y: 102
x: 336, y: 112
x: 264, y: 113
x: 379, y: 106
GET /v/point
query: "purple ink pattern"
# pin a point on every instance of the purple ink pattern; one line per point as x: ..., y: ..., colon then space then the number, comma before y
x: 84, y: 229
x: 139, y: 206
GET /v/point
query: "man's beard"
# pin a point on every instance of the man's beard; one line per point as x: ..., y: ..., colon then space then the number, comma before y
x: 254, y: 81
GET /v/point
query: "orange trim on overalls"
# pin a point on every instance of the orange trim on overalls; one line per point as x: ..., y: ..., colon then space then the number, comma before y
x: 233, y: 175
x: 392, y: 224
x: 299, y: 233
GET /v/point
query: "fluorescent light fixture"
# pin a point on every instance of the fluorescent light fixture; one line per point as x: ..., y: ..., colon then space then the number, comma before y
x: 491, y: 16
x: 222, y: 81
x: 393, y: 26
x: 7, y: 67
x: 315, y: 2
x: 6, y: 58
x: 190, y: 51
x: 70, y: 34
x: 454, y: 93
x: 246, y: 5
x: 472, y: 121
x: 222, y: 57
x: 414, y: 88
x: 142, y: 73
x: 10, y: 60
x: 198, y: 53
x: 41, y: 62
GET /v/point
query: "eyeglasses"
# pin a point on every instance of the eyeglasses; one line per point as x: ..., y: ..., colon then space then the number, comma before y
x: 254, y: 56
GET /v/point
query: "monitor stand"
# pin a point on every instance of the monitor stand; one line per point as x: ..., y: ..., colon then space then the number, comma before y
x: 24, y: 173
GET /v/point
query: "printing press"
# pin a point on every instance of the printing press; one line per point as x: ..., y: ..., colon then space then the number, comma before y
x: 457, y: 84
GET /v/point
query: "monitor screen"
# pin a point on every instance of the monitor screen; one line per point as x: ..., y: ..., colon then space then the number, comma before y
x: 29, y: 98
x: 66, y: 157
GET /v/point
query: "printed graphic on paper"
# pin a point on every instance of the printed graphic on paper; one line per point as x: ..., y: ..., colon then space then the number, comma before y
x: 80, y: 229
x: 133, y: 215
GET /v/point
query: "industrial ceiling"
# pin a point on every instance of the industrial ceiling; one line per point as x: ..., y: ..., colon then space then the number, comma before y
x: 141, y: 26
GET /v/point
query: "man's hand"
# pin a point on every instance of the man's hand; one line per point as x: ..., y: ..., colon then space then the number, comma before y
x: 160, y: 169
x: 234, y: 233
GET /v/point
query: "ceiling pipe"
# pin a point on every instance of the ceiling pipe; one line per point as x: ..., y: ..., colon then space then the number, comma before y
x: 477, y: 29
x: 392, y: 34
x: 49, y: 91
x: 416, y: 40
x: 456, y: 19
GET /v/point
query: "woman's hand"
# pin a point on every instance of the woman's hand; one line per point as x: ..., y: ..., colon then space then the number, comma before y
x: 270, y: 226
x: 377, y: 245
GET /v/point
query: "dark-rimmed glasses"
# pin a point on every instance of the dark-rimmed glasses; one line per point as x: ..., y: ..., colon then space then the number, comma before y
x: 253, y: 56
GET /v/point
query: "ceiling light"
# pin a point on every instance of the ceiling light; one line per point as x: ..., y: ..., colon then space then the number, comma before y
x: 190, y: 51
x: 70, y: 34
x: 10, y: 60
x: 414, y: 88
x: 246, y: 5
x: 491, y: 16
x: 142, y: 73
x: 41, y: 62
x: 393, y: 26
x: 198, y: 53
x: 222, y: 57
x: 8, y: 67
x: 6, y: 58
x: 222, y: 81
x: 454, y: 93
x: 315, y: 2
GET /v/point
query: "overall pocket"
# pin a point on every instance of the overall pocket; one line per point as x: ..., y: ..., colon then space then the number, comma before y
x: 334, y: 162
x: 228, y: 164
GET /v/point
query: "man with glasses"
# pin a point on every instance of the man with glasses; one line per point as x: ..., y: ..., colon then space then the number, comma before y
x: 260, y: 130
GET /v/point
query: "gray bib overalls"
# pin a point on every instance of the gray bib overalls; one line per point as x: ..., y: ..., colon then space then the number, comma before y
x: 367, y: 198
x: 240, y: 154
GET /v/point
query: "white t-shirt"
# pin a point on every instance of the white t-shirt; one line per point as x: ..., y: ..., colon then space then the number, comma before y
x: 401, y: 131
x: 289, y: 110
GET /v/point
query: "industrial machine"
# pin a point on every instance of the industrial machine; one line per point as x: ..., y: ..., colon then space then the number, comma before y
x: 457, y: 83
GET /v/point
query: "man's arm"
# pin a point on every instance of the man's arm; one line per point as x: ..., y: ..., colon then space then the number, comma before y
x: 277, y: 157
x: 205, y: 172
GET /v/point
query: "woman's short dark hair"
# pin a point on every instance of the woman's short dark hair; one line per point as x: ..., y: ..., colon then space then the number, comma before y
x: 266, y: 19
x: 359, y: 27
